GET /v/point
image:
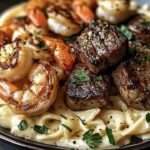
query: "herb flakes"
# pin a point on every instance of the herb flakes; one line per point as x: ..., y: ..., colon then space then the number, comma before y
x: 147, y: 58
x: 92, y: 139
x: 80, y: 76
x: 68, y: 128
x: 126, y: 32
x: 99, y: 78
x: 148, y: 117
x: 23, y: 125
x: 41, y: 129
x: 63, y: 116
x: 110, y: 136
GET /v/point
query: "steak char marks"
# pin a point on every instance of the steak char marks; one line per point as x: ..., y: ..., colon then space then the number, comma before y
x: 100, y: 45
x: 133, y: 80
x: 141, y: 29
x: 86, y: 90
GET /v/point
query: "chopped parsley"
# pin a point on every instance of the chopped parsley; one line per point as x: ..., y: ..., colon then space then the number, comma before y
x: 92, y: 139
x: 82, y: 120
x: 63, y: 116
x: 68, y: 128
x: 110, y: 136
x: 126, y: 32
x: 23, y: 125
x: 147, y: 58
x: 80, y: 76
x: 148, y: 117
x: 99, y: 78
x: 41, y: 129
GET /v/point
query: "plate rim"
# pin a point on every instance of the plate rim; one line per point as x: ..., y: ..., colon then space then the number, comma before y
x: 8, y: 137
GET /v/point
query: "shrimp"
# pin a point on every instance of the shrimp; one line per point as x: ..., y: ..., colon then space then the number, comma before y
x: 115, y: 11
x: 61, y: 51
x: 61, y: 21
x: 39, y: 48
x: 15, y: 61
x: 64, y: 16
x: 82, y: 9
x: 4, y: 38
x: 27, y: 31
x: 36, y: 95
x: 37, y: 17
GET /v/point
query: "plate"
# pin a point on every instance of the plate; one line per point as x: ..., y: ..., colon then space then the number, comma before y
x: 12, y: 140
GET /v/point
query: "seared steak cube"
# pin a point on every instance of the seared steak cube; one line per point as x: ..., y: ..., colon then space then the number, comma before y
x: 141, y: 29
x: 100, y: 45
x: 133, y: 80
x: 86, y: 90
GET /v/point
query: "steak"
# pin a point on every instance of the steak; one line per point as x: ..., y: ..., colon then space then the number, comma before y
x: 141, y: 29
x: 100, y: 45
x: 85, y: 90
x: 133, y: 80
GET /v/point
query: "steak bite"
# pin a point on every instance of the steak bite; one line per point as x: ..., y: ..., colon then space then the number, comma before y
x: 100, y: 45
x: 85, y: 90
x: 133, y: 80
x: 141, y: 29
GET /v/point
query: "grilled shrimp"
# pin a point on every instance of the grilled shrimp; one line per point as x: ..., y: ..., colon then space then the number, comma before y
x: 36, y: 95
x: 61, y: 51
x: 55, y: 19
x: 64, y: 16
x: 64, y: 19
x: 15, y: 61
x: 83, y: 10
x: 37, y: 17
x: 115, y: 11
x: 35, y: 13
x: 26, y: 31
x: 4, y: 38
x: 61, y: 21
x: 39, y: 48
x: 51, y: 49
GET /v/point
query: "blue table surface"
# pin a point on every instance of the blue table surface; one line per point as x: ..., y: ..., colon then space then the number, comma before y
x: 4, y: 4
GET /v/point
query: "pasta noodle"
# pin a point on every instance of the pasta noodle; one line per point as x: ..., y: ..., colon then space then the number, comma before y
x: 123, y: 123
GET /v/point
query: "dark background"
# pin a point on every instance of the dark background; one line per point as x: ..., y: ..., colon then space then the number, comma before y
x: 3, y: 5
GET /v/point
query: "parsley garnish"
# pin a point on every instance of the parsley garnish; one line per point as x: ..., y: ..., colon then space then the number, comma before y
x: 41, y: 129
x: 126, y: 32
x: 99, y: 78
x: 23, y: 125
x: 147, y: 58
x: 110, y: 136
x: 63, y: 116
x: 82, y: 120
x: 80, y: 76
x: 68, y: 128
x: 92, y: 139
x: 148, y: 117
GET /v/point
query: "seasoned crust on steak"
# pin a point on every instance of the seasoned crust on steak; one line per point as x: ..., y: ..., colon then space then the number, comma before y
x: 100, y: 45
x: 133, y: 80
x: 86, y: 90
x: 140, y: 28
